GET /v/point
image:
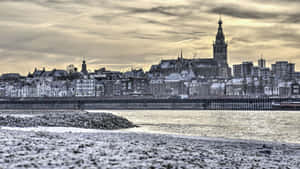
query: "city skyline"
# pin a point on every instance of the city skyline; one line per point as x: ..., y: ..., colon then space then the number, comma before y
x: 58, y: 33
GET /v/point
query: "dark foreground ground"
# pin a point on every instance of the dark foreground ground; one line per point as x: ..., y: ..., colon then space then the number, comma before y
x: 20, y: 149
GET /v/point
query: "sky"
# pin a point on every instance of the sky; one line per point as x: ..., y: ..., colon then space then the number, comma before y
x: 125, y: 34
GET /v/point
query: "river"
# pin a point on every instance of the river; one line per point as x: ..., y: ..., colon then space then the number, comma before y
x: 278, y: 126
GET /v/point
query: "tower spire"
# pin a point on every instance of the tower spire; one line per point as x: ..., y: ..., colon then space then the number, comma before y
x: 220, y: 38
x: 181, y: 56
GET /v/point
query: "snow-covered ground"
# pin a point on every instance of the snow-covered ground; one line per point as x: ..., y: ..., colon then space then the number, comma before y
x: 36, y: 149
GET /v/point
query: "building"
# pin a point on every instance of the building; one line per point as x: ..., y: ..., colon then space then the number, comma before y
x: 283, y: 70
x: 235, y: 87
x: 295, y: 89
x: 220, y: 53
x: 85, y: 87
x: 265, y: 73
x: 199, y: 88
x: 215, y: 67
x: 247, y: 68
x: 243, y: 70
x: 84, y: 68
x: 256, y: 71
x: 99, y: 88
x: 175, y: 85
x: 237, y: 71
x: 157, y: 87
x: 261, y: 63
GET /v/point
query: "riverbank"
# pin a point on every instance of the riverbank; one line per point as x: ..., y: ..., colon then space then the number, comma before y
x: 19, y: 149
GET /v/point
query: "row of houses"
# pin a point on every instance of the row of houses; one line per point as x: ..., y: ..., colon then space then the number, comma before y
x: 235, y: 87
x: 180, y: 82
x: 88, y: 87
x: 174, y: 85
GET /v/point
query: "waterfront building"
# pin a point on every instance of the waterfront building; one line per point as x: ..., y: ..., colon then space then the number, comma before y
x: 295, y: 89
x: 138, y: 86
x: 237, y: 71
x: 43, y: 88
x: 85, y: 87
x: 256, y: 71
x: 199, y: 88
x: 284, y: 88
x: 2, y: 89
x: 247, y: 68
x: 117, y: 88
x: 283, y: 70
x: 217, y: 89
x: 59, y: 89
x: 235, y: 87
x: 265, y: 73
x: 175, y: 85
x: 157, y: 87
x: 296, y: 76
x: 243, y: 70
x: 270, y: 90
x: 99, y: 88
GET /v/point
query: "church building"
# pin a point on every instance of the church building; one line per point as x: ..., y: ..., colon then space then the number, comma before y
x: 216, y: 67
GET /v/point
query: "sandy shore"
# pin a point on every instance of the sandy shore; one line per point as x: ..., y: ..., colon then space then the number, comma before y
x: 20, y: 149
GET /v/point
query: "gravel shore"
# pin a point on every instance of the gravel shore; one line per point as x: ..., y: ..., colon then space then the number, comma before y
x: 45, y: 150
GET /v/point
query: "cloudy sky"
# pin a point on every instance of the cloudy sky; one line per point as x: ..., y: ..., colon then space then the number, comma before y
x: 120, y: 34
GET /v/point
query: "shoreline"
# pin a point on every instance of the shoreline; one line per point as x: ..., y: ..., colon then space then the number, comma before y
x: 74, y: 130
x: 121, y: 149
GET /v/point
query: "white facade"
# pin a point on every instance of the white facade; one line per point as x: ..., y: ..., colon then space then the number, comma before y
x: 85, y: 88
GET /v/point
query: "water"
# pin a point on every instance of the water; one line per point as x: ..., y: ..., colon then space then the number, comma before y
x: 279, y: 126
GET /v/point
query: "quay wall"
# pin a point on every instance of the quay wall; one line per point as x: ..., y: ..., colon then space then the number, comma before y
x: 98, y: 103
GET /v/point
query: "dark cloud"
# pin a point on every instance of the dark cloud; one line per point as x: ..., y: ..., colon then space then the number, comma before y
x: 238, y: 40
x: 238, y: 12
x: 191, y: 33
x: 292, y: 18
x: 155, y: 22
x: 162, y: 10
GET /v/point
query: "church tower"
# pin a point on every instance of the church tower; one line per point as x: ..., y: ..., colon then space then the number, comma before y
x: 220, y: 47
x: 84, y: 68
x: 220, y: 53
